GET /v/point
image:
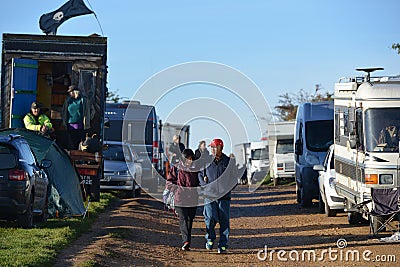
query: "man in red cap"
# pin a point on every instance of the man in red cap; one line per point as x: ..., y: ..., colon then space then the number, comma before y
x: 217, y: 180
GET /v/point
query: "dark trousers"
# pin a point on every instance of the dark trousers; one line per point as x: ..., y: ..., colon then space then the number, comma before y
x: 186, y: 217
x: 74, y: 138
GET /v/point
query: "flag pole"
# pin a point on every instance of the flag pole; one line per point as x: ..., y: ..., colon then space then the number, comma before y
x: 98, y: 22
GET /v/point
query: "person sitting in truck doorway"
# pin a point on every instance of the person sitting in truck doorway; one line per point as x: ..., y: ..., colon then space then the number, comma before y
x: 76, y: 114
x: 36, y: 121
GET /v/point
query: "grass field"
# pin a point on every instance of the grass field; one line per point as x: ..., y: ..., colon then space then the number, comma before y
x: 39, y: 246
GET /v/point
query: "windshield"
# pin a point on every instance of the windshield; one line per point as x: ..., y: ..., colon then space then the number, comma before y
x: 284, y: 146
x: 259, y: 154
x: 319, y: 135
x: 381, y: 129
x: 115, y: 152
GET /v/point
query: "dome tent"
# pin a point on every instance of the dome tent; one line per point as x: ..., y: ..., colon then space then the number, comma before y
x: 65, y: 195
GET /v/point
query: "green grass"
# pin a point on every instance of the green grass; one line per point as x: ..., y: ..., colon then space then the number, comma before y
x: 269, y: 182
x: 39, y: 246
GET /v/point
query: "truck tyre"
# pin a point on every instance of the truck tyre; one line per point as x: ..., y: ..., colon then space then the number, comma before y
x: 25, y: 220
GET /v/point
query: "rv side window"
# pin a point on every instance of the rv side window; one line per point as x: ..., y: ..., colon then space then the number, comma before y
x: 337, y: 125
x: 359, y: 129
x: 346, y: 122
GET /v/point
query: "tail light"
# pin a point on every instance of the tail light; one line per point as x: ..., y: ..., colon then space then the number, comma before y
x: 16, y: 175
x: 88, y: 172
x: 155, y: 152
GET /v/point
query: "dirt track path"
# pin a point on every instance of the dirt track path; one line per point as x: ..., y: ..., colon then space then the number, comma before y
x: 140, y: 233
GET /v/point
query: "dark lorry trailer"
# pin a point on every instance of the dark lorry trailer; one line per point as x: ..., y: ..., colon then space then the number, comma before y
x: 40, y: 68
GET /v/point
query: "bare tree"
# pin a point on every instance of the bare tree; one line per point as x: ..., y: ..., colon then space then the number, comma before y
x: 288, y: 102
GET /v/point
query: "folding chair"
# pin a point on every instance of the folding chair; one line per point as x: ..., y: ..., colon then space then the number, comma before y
x: 385, y: 212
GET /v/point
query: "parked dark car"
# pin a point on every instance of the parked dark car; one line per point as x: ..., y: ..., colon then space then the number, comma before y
x: 23, y: 183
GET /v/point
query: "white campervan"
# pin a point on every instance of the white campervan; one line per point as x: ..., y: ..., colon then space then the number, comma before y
x: 313, y: 136
x: 259, y: 161
x: 280, y: 143
x: 367, y: 121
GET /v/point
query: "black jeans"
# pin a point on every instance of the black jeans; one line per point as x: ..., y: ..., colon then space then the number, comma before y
x: 186, y: 217
x: 75, y: 137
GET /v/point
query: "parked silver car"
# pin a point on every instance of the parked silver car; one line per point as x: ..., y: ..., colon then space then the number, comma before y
x: 329, y: 201
x: 122, y: 169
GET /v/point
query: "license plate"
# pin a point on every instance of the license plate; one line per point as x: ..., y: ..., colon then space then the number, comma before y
x: 86, y: 179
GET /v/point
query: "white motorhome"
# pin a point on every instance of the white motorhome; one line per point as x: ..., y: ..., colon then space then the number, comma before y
x: 280, y: 144
x: 259, y: 161
x: 313, y: 136
x: 367, y: 119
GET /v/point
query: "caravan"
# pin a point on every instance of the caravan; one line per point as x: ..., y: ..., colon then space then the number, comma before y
x: 313, y: 136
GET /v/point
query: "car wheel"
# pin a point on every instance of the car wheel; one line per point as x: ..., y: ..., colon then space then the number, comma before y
x: 26, y: 220
x: 130, y: 193
x: 45, y: 212
x: 328, y: 211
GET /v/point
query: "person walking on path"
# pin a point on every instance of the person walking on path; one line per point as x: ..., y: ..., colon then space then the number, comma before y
x: 183, y: 181
x: 217, y: 180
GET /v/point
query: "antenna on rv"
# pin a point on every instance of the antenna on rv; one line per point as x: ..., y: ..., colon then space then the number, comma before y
x: 368, y: 71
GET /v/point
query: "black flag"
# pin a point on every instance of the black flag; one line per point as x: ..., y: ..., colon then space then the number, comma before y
x: 49, y: 22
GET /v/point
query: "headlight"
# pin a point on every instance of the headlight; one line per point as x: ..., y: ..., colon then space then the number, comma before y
x: 332, y: 182
x: 123, y: 172
x: 312, y: 159
x: 385, y: 179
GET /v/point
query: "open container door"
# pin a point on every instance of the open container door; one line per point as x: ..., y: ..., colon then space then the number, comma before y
x: 24, y: 89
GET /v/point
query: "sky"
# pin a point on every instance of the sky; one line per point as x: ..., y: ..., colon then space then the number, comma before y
x: 280, y: 46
